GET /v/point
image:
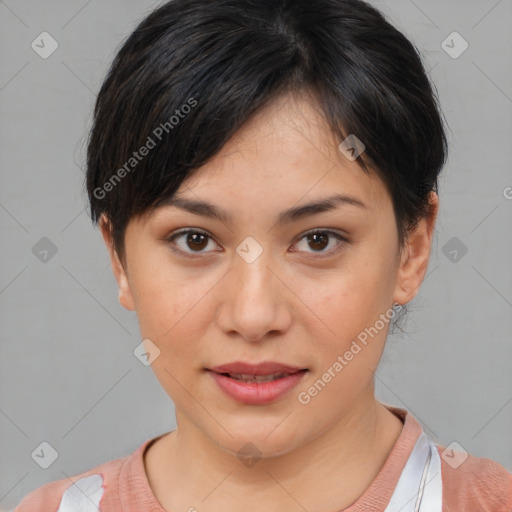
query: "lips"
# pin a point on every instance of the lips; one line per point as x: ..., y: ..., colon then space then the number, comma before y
x: 257, y: 384
x: 261, y: 371
x: 245, y: 377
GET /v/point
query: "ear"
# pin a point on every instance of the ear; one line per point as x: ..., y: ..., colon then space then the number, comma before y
x: 125, y: 292
x: 416, y: 254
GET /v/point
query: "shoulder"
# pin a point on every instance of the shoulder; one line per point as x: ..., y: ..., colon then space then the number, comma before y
x: 79, y: 492
x: 474, y: 484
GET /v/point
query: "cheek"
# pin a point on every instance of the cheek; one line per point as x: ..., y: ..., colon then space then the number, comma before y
x: 351, y: 294
x: 158, y: 308
x: 347, y: 303
x: 170, y: 304
x: 169, y: 313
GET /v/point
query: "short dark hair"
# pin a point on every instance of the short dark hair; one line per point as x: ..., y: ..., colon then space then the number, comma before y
x: 194, y: 71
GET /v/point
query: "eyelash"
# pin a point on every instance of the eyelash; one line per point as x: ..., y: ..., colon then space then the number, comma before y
x: 332, y: 252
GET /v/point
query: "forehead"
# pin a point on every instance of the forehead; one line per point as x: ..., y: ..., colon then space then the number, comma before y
x: 284, y: 156
x: 292, y: 124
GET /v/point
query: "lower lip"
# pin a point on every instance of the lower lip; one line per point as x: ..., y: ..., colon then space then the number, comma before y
x: 257, y: 393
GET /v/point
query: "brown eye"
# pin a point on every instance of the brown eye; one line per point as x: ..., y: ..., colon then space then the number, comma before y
x: 319, y: 239
x: 194, y: 241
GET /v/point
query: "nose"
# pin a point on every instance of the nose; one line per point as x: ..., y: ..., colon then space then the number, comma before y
x: 254, y: 301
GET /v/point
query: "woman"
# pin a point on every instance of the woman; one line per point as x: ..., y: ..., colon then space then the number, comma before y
x: 264, y: 174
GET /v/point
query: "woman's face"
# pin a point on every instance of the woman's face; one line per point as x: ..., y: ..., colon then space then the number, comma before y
x: 258, y: 288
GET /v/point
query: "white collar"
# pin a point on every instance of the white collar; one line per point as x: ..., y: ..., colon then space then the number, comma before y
x: 419, y: 488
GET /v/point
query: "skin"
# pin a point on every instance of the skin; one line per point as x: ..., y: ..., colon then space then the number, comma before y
x: 298, y: 303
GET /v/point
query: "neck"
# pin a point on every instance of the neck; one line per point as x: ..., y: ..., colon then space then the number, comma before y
x: 328, y: 472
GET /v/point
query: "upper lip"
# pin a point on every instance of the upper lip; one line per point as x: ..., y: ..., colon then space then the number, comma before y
x: 264, y: 368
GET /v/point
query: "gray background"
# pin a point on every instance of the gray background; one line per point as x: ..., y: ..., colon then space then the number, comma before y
x: 68, y: 375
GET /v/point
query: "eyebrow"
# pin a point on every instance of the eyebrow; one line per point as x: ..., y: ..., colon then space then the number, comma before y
x: 206, y: 209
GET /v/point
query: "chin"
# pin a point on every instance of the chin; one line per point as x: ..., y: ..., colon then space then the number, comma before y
x: 265, y: 440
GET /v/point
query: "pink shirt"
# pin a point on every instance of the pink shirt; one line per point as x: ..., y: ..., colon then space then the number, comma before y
x: 121, y: 485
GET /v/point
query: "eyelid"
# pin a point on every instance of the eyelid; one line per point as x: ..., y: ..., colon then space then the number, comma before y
x: 342, y: 238
x: 179, y: 232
